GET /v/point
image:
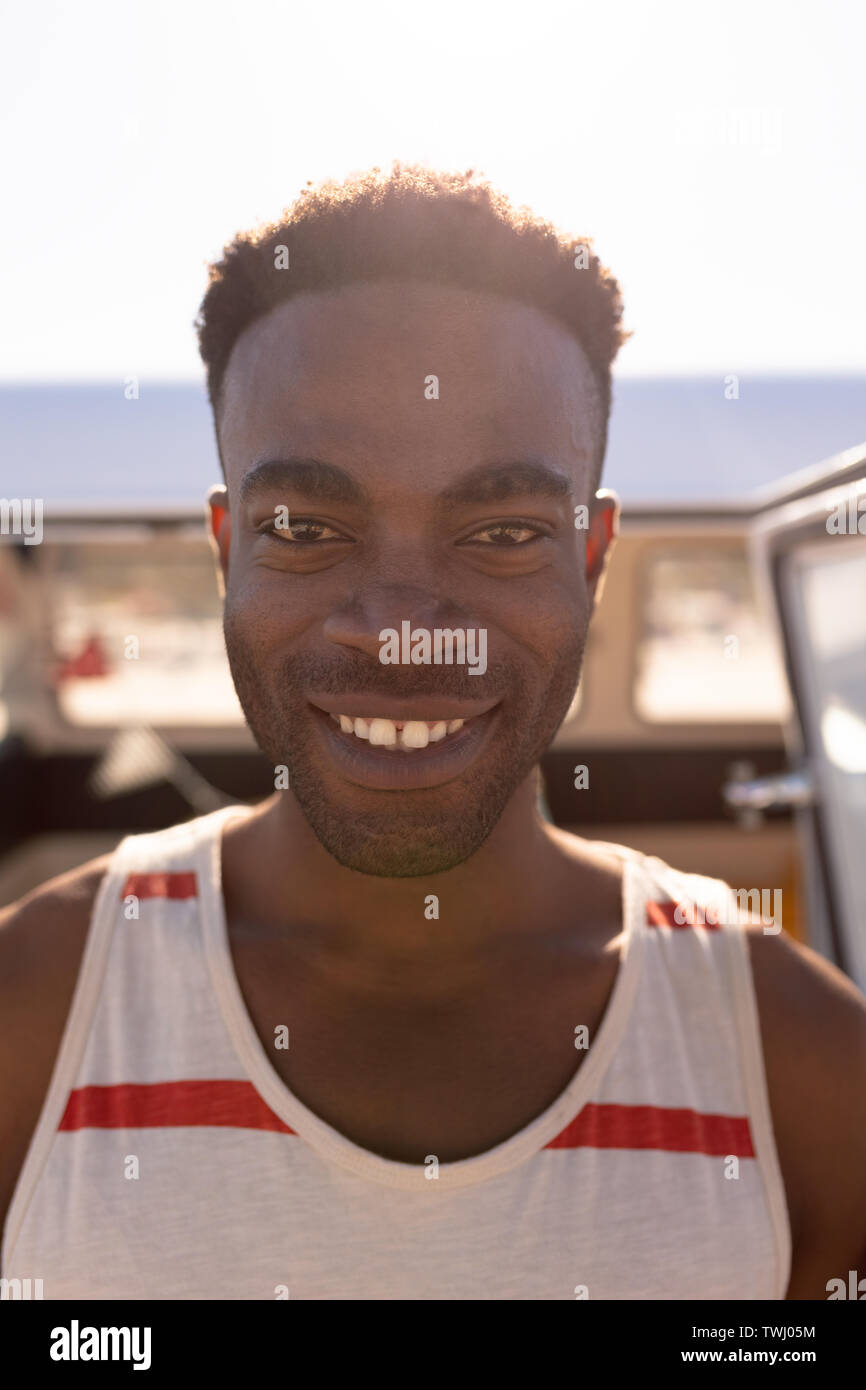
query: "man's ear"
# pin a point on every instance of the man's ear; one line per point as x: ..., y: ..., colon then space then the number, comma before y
x: 220, y: 526
x: 602, y: 532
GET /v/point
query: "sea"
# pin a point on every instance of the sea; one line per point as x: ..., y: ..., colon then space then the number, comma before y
x: 672, y: 439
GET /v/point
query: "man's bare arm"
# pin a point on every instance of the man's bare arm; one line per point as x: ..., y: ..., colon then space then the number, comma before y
x: 813, y: 1026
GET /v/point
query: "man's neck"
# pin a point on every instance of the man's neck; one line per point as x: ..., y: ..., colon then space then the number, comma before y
x: 277, y: 875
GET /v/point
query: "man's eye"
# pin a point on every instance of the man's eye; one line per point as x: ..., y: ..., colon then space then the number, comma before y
x: 299, y: 530
x: 508, y: 533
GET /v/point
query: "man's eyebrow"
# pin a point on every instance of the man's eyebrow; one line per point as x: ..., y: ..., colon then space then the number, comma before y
x: 323, y: 481
x: 496, y: 482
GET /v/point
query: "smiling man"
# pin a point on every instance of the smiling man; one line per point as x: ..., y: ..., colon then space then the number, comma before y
x: 390, y: 1034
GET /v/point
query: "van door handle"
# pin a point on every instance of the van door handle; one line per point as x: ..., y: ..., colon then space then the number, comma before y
x: 749, y: 796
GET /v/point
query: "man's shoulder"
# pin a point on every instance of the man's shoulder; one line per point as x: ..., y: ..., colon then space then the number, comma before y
x: 45, y: 918
x: 42, y: 939
x: 798, y: 988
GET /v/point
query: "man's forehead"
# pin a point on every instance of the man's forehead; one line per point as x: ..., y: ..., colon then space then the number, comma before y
x: 415, y: 366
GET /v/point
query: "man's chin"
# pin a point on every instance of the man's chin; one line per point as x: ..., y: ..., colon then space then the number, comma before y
x: 398, y: 849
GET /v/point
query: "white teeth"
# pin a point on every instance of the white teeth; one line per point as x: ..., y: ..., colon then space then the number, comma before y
x: 415, y: 734
x: 382, y: 732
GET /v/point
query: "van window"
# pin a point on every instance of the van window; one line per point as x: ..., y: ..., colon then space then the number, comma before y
x: 137, y: 634
x: 705, y: 653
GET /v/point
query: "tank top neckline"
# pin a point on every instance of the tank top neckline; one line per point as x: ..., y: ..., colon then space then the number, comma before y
x: 333, y: 1145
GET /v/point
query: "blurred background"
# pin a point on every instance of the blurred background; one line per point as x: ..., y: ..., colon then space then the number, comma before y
x: 715, y: 155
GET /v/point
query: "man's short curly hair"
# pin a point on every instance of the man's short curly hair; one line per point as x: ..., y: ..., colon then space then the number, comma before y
x: 414, y: 223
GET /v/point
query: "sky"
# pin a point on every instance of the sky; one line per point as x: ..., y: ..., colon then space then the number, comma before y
x: 714, y: 152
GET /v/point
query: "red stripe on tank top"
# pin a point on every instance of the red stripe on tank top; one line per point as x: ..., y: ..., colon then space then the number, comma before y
x: 656, y: 1127
x: 661, y: 914
x: 160, y: 886
x: 237, y: 1105
x: 170, y: 1104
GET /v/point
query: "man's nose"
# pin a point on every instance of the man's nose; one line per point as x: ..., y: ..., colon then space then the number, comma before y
x: 361, y: 622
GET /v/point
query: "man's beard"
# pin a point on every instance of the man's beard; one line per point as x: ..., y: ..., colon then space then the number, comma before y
x: 408, y: 833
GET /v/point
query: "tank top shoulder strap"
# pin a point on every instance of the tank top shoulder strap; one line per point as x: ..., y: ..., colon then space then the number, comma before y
x: 143, y: 1010
x: 698, y: 965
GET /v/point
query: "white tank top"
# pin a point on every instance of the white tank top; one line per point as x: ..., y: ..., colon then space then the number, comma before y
x: 170, y: 1161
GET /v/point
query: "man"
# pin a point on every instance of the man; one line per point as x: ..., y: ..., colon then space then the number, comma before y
x: 390, y: 1034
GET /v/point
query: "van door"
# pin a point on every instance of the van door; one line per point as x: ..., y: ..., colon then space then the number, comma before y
x: 810, y: 557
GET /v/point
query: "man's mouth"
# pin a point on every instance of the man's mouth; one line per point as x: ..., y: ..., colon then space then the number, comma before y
x: 384, y: 743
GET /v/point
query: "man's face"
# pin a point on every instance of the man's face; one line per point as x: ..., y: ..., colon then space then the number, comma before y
x: 453, y: 511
